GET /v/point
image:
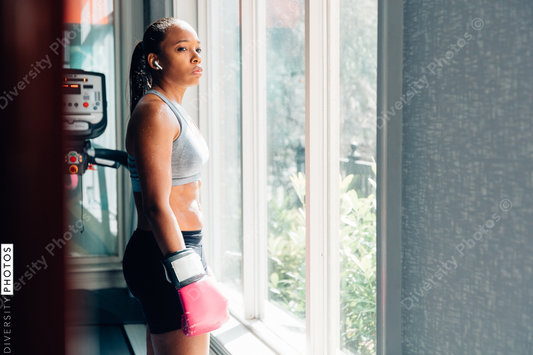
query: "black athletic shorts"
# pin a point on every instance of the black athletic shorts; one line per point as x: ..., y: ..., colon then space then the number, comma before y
x: 146, y: 278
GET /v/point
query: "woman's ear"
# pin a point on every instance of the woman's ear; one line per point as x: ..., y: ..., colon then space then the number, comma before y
x: 152, y: 60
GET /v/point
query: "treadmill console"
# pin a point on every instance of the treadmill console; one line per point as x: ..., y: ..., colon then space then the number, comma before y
x: 84, y: 104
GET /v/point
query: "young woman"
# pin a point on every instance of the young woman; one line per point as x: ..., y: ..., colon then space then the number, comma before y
x: 166, y: 154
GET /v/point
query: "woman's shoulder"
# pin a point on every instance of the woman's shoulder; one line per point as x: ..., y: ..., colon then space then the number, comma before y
x: 152, y: 110
x: 153, y: 114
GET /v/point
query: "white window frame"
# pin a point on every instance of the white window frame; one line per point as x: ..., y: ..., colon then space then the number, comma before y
x: 322, y: 168
x: 254, y: 159
x: 322, y: 175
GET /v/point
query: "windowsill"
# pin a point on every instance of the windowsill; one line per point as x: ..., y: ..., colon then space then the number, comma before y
x: 95, y: 276
x: 237, y: 339
x: 239, y: 335
x: 112, y: 266
x: 289, y: 328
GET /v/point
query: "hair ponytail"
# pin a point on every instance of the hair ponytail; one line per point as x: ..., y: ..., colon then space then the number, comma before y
x: 140, y: 72
x: 139, y: 80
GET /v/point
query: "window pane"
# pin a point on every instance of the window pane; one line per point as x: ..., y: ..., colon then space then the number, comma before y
x: 285, y: 73
x: 358, y: 55
x: 90, y: 46
x: 227, y: 88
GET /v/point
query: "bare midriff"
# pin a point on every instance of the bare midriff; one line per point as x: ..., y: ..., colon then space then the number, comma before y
x: 185, y: 203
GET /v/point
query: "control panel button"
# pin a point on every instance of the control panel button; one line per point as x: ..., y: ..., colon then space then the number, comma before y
x: 73, y: 169
x: 85, y: 104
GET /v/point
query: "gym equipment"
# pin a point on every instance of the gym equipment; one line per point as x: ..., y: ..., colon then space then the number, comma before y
x: 84, y: 117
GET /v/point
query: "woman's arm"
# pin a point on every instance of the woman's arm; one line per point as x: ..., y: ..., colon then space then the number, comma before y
x: 153, y: 133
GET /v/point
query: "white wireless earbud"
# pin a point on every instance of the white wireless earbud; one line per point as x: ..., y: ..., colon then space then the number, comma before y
x: 157, y: 65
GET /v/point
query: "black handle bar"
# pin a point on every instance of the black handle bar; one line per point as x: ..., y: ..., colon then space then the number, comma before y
x: 108, y: 158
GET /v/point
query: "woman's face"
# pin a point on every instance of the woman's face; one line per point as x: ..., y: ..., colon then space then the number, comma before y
x: 180, y: 57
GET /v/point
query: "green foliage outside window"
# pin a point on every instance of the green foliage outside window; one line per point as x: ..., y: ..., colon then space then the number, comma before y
x: 357, y: 254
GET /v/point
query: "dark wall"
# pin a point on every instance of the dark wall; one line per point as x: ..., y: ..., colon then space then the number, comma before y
x: 467, y: 178
x: 30, y: 179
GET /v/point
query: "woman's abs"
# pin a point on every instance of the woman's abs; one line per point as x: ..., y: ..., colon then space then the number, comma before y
x: 185, y: 203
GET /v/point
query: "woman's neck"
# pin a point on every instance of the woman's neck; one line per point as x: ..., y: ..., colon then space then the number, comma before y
x: 173, y: 92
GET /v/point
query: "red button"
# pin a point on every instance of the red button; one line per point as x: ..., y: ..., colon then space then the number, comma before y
x: 85, y: 104
x: 73, y: 159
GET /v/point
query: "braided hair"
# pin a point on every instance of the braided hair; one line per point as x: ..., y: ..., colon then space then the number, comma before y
x: 141, y: 73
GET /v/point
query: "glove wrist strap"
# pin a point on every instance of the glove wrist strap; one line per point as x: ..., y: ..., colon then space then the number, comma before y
x: 184, y: 267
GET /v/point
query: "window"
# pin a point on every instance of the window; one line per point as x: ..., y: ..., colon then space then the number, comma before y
x: 285, y: 190
x: 223, y: 67
x: 89, y: 28
x: 303, y: 273
x: 357, y: 242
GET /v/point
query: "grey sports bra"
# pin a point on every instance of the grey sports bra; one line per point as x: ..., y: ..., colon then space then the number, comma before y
x: 189, y: 151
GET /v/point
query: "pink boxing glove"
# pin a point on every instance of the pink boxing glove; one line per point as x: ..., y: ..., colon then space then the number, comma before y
x: 205, y: 308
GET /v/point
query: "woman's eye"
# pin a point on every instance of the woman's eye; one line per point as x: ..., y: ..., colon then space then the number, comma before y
x: 199, y: 50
